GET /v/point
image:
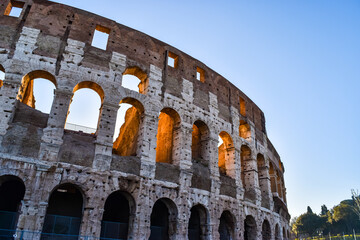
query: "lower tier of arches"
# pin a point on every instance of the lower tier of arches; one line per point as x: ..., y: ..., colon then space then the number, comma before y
x: 73, y: 201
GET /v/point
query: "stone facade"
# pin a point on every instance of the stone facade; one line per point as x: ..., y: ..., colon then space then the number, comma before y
x: 237, y: 188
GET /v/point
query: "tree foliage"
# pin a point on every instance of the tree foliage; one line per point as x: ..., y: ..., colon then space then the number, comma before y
x: 342, y: 218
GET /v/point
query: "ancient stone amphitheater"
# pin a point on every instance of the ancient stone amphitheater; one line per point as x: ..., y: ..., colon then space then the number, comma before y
x: 167, y: 175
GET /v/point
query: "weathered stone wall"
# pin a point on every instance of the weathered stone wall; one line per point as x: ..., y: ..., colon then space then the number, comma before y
x: 56, y: 39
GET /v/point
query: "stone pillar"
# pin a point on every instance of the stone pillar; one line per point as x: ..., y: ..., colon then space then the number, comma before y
x: 252, y: 190
x: 265, y: 186
x: 51, y: 140
x: 8, y: 94
x: 144, y: 206
x: 147, y: 144
x: 104, y: 138
x: 91, y: 221
x: 214, y: 166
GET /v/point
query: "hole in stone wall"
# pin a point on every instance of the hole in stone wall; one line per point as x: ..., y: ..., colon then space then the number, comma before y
x: 250, y: 231
x: 115, y: 221
x: 245, y: 130
x: 127, y: 126
x: 200, y: 138
x: 242, y: 107
x: 272, y: 178
x: 169, y: 121
x: 101, y: 37
x: 135, y: 79
x: 198, y: 224
x: 266, y: 230
x: 37, y: 90
x: 172, y: 60
x: 12, y: 191
x: 14, y: 9
x: 163, y: 220
x: 226, y: 226
x: 200, y: 74
x: 226, y: 155
x: 85, y: 108
x: 64, y: 213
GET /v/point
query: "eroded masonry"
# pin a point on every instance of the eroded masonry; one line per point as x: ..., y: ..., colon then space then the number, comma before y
x: 191, y: 161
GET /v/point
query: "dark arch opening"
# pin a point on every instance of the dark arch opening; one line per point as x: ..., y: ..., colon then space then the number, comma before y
x: 12, y: 191
x: 63, y: 214
x: 226, y: 226
x: 266, y: 230
x: 163, y: 220
x: 284, y: 234
x: 197, y: 228
x: 116, y: 217
x: 250, y: 228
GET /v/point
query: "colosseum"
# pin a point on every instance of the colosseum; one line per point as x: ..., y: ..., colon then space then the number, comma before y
x: 191, y: 161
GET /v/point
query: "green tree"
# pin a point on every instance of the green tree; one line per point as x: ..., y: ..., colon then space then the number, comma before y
x: 344, y: 216
x: 308, y: 224
x: 356, y: 200
x: 324, y: 210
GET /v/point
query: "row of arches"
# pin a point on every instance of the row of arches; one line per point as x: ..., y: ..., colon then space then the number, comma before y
x: 66, y: 205
x: 130, y: 119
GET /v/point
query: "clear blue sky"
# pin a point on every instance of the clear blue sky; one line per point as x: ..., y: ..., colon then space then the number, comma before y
x: 299, y: 61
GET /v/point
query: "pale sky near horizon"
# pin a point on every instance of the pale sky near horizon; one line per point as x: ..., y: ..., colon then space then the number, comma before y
x: 299, y: 61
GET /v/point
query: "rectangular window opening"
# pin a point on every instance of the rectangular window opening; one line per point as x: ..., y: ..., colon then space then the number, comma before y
x: 14, y: 9
x: 172, y: 60
x: 101, y: 37
x: 242, y: 107
x: 200, y: 74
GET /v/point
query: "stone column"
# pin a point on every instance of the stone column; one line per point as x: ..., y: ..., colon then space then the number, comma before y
x: 147, y: 144
x: 51, y: 140
x: 104, y: 138
x: 265, y: 184
x: 91, y: 221
x: 8, y: 94
x: 252, y: 190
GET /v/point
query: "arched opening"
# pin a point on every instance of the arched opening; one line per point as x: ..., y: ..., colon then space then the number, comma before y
x: 12, y: 191
x: 226, y: 226
x: 245, y: 130
x: 167, y: 141
x: 200, y: 142
x: 200, y: 156
x: 2, y: 75
x: 163, y: 220
x: 247, y: 170
x: 85, y: 108
x: 135, y: 79
x: 63, y: 214
x: 198, y: 223
x: 284, y: 234
x: 250, y: 228
x: 226, y: 158
x: 277, y: 232
x: 272, y: 174
x: 266, y: 230
x: 37, y: 90
x: 127, y: 126
x: 263, y: 180
x: 118, y: 210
